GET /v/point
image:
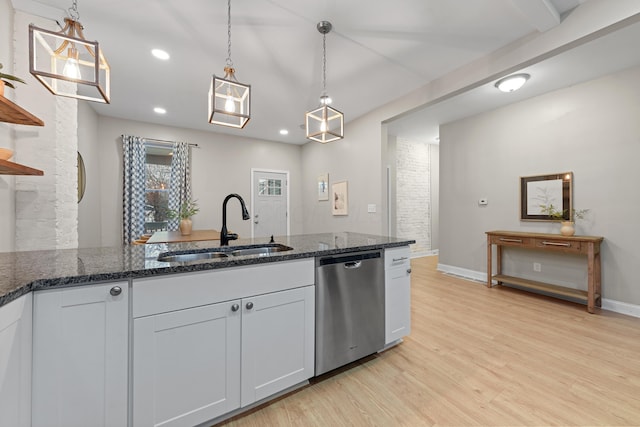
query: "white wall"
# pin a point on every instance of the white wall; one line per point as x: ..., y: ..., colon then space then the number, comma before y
x: 7, y: 182
x: 591, y: 129
x: 221, y: 165
x: 89, y: 209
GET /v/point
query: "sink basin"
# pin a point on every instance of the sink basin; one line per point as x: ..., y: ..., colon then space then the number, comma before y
x: 224, y: 252
x: 262, y: 250
x: 191, y: 256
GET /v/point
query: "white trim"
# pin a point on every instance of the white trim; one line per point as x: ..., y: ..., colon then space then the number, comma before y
x: 476, y: 276
x: 621, y: 307
x: 479, y: 276
x: 253, y: 171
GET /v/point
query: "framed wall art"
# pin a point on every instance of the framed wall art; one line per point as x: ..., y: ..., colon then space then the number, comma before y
x: 323, y: 186
x: 539, y: 193
x: 339, y: 198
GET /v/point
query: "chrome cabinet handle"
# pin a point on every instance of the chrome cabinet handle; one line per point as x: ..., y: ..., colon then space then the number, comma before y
x: 567, y: 245
x: 115, y: 291
x: 235, y: 307
x: 249, y: 305
x: 404, y: 258
x: 408, y: 271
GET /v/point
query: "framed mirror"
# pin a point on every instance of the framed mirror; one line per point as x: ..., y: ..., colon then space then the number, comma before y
x: 82, y: 177
x: 541, y: 192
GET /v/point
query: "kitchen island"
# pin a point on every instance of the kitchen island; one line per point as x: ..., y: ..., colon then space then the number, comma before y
x: 124, y: 339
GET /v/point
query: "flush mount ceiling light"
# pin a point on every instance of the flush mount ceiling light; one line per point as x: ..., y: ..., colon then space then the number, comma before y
x: 229, y: 100
x: 160, y: 54
x: 512, y: 83
x: 67, y: 64
x: 325, y: 123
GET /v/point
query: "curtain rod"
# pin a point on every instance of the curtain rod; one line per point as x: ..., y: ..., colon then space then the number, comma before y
x: 164, y: 141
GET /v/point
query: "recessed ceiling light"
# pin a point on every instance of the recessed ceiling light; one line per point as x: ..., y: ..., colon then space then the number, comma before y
x: 160, y: 54
x: 284, y: 132
x: 512, y: 83
x: 159, y: 110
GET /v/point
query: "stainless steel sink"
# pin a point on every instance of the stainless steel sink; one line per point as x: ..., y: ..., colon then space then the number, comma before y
x: 262, y: 250
x: 224, y: 252
x: 188, y: 257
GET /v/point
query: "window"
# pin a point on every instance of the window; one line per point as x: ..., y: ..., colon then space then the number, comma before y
x: 157, y: 182
x: 269, y: 187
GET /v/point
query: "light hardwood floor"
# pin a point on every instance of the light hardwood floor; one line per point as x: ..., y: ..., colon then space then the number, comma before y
x: 480, y: 357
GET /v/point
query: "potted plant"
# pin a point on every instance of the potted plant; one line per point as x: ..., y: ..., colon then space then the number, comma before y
x: 567, y: 226
x: 7, y: 79
x: 188, y: 209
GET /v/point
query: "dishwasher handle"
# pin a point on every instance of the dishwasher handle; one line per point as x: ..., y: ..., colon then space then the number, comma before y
x: 353, y: 264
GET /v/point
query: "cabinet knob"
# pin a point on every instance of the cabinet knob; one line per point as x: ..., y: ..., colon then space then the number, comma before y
x: 235, y: 307
x: 249, y: 305
x: 408, y: 271
x: 115, y: 291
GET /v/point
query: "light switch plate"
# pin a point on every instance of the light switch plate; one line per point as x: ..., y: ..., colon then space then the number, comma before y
x: 483, y: 201
x: 371, y: 208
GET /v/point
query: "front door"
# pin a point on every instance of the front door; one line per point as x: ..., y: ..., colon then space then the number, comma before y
x: 270, y: 204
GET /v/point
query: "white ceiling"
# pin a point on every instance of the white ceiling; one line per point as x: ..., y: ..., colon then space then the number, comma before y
x: 377, y: 52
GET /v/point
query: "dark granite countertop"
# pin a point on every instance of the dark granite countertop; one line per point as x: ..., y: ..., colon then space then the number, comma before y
x: 23, y: 272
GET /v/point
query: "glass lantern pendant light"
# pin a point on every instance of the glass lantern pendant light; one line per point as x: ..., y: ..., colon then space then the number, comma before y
x: 229, y: 100
x: 67, y: 64
x: 325, y: 123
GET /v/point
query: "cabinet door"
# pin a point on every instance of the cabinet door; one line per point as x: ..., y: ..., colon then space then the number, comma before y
x: 277, y: 342
x: 186, y: 365
x: 15, y: 362
x: 397, y: 294
x: 80, y: 356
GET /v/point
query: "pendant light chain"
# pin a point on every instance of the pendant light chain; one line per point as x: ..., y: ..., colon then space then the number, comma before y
x: 73, y: 11
x: 229, y: 61
x: 324, y: 64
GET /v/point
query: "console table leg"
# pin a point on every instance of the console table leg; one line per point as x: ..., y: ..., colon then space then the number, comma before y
x: 489, y: 262
x: 598, y: 279
x: 591, y: 278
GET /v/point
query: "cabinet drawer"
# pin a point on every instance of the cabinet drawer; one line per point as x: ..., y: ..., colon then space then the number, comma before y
x: 176, y: 292
x: 512, y: 241
x: 559, y: 245
x: 397, y: 257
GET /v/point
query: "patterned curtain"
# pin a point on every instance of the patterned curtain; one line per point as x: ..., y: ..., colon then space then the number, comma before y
x: 180, y: 189
x: 134, y: 154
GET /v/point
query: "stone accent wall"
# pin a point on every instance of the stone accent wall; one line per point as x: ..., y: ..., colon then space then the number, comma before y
x: 413, y: 199
x: 46, y: 206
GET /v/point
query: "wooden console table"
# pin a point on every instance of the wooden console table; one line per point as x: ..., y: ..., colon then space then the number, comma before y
x: 585, y: 245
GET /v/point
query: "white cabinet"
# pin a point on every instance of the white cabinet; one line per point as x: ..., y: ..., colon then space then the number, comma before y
x: 80, y: 356
x: 186, y: 365
x: 15, y: 362
x: 208, y: 343
x: 277, y: 342
x: 397, y: 293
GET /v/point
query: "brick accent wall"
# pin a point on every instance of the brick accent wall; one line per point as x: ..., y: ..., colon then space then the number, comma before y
x: 413, y: 198
x: 46, y: 206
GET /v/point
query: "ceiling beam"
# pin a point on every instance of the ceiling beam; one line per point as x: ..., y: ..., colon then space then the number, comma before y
x: 542, y: 14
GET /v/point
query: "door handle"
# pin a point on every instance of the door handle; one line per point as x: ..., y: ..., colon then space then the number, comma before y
x: 352, y: 264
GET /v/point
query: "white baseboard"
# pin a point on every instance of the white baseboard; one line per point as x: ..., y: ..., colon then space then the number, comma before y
x: 420, y: 254
x: 479, y: 276
x: 621, y: 307
x: 476, y: 276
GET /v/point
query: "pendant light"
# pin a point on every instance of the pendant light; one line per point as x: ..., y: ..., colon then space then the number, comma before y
x: 67, y: 64
x: 325, y: 123
x: 229, y: 100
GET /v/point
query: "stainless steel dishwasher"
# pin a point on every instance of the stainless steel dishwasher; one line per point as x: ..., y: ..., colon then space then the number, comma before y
x: 349, y: 308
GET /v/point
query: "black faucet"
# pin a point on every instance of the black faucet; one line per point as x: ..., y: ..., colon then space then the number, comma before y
x: 224, y: 235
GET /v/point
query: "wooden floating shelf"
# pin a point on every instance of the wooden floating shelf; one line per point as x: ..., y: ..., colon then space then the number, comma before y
x: 544, y: 287
x: 13, y: 113
x: 11, y: 168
